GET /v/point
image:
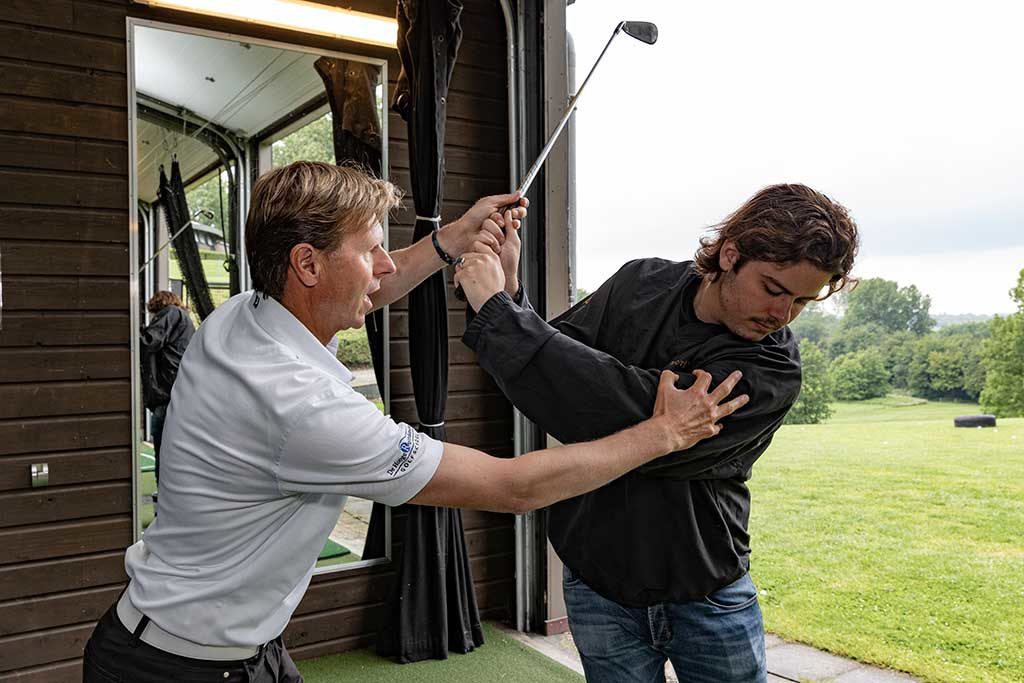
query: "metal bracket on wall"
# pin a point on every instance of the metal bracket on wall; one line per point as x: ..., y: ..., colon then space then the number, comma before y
x: 40, y: 475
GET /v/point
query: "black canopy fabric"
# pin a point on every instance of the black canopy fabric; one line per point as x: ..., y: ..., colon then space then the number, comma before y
x: 172, y: 199
x: 352, y: 95
x: 432, y: 608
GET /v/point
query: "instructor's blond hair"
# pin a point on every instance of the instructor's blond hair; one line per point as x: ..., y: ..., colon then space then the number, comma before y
x: 308, y: 202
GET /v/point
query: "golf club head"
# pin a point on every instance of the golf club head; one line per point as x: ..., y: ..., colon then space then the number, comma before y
x: 644, y: 31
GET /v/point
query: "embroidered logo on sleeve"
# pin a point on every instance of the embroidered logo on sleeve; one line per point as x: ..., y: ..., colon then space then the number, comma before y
x: 408, y: 447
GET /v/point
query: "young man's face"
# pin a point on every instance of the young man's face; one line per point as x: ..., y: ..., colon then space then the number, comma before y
x: 761, y: 297
x: 355, y: 271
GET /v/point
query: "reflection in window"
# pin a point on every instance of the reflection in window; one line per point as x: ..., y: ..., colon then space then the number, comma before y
x: 269, y: 108
x: 312, y: 142
x: 315, y: 142
x: 348, y: 539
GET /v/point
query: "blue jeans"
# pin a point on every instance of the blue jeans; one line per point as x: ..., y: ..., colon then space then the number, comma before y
x: 719, y: 639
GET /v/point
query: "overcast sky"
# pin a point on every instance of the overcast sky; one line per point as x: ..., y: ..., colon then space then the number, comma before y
x: 909, y: 113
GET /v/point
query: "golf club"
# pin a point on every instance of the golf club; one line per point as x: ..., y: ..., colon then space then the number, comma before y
x: 205, y: 213
x: 645, y: 32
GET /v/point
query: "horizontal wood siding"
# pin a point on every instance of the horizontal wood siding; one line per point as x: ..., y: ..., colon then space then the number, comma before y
x: 65, y: 381
x: 64, y: 345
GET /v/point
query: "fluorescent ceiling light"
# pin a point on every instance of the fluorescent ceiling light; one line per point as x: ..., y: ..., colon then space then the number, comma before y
x: 297, y: 15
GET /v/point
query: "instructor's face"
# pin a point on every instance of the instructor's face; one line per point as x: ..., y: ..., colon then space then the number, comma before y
x: 762, y: 297
x: 356, y: 268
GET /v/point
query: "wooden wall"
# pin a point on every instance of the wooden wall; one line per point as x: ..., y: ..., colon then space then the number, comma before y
x: 64, y: 342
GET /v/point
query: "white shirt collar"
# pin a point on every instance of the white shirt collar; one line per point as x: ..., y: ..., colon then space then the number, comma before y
x: 278, y: 322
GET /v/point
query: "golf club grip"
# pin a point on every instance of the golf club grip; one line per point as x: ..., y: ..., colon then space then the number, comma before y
x: 460, y: 294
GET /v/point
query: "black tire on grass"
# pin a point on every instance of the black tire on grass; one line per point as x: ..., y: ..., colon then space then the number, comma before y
x: 975, y: 421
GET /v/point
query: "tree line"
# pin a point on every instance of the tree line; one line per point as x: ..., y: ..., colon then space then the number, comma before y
x: 884, y: 339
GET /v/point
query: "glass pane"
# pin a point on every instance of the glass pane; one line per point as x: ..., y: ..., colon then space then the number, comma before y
x: 348, y: 540
x: 203, y: 102
x: 357, y: 521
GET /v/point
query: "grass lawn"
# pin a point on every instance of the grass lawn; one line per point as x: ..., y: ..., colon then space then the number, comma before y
x: 889, y: 536
x: 213, y: 266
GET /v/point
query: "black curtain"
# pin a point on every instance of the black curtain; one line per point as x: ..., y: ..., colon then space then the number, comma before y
x: 432, y: 609
x: 172, y: 199
x: 351, y: 88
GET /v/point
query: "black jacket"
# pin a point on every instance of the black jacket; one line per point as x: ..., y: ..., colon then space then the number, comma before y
x: 163, y: 343
x: 676, y: 528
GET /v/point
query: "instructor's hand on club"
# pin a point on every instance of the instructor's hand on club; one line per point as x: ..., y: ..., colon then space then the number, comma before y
x: 692, y: 415
x: 482, y: 272
x: 483, y: 223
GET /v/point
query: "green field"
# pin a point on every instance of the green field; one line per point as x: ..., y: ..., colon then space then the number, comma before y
x: 216, y: 276
x: 213, y: 267
x: 889, y: 536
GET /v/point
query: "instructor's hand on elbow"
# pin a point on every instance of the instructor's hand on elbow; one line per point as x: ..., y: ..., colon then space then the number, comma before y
x: 480, y: 274
x: 693, y: 414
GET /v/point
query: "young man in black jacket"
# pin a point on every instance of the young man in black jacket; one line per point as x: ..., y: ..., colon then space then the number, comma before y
x: 656, y: 561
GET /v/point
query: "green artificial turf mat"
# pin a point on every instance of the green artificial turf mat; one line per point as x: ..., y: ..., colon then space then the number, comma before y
x: 500, y: 659
x: 332, y: 549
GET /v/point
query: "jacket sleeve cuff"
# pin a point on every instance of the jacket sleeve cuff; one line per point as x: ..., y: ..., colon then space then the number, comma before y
x: 493, y: 309
x: 520, y: 296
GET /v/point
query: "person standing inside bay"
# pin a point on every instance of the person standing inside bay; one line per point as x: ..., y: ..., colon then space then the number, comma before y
x: 656, y: 561
x: 161, y: 346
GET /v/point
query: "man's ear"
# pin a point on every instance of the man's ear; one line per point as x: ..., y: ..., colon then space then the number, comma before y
x: 728, y: 256
x: 304, y: 261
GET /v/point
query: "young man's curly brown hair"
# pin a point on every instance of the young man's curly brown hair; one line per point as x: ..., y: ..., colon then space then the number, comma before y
x: 787, y: 224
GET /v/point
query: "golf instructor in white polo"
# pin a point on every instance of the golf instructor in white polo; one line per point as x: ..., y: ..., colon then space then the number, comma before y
x: 265, y: 437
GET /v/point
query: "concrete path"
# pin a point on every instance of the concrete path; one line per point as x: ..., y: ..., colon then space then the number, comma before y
x: 796, y: 662
x: 365, y: 383
x: 787, y: 662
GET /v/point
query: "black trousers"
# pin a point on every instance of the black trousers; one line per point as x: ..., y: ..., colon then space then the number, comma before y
x: 116, y: 655
x: 156, y: 428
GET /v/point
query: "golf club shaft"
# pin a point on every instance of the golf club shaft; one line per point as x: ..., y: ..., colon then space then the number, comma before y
x: 201, y: 212
x: 570, y: 108
x: 524, y: 186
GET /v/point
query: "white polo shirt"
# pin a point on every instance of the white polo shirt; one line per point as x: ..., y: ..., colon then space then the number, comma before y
x: 264, y: 439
